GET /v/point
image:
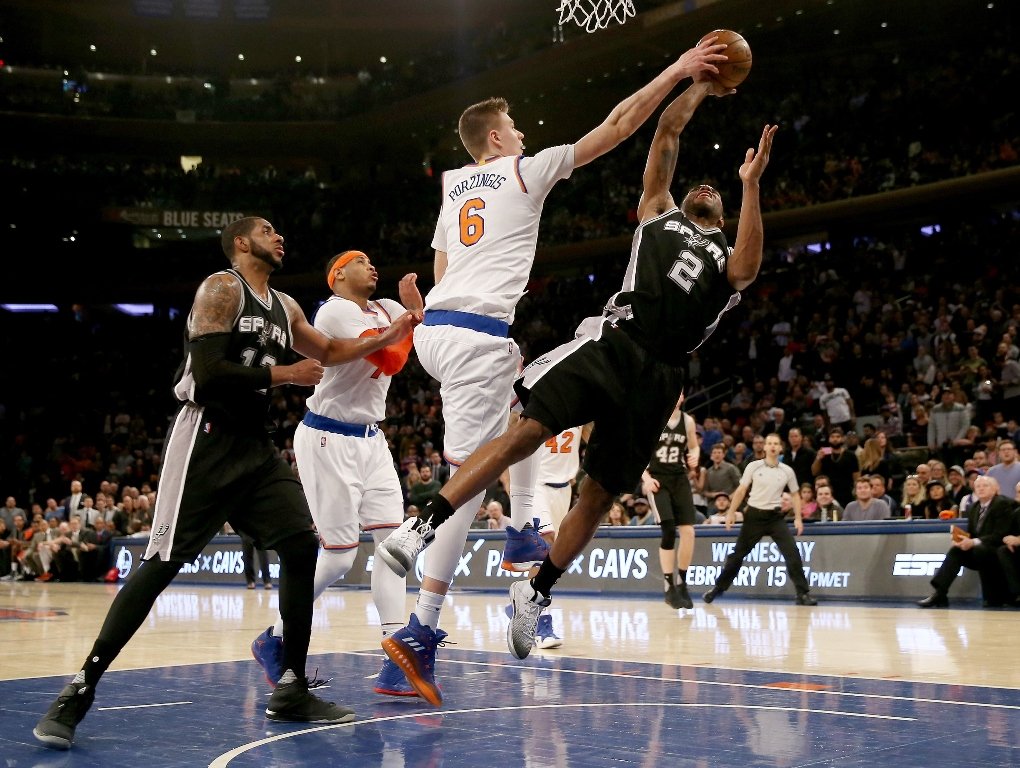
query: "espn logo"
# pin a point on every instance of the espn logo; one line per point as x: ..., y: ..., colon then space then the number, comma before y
x: 917, y: 565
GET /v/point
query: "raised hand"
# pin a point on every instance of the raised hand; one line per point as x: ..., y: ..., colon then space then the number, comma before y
x: 702, y: 58
x: 755, y: 162
x: 409, y: 294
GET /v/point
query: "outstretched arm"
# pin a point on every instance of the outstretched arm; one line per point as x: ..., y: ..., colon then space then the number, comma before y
x: 655, y: 196
x: 745, y: 261
x: 312, y: 343
x: 631, y: 113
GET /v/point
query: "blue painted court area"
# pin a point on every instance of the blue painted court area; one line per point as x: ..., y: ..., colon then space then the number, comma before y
x: 545, y: 711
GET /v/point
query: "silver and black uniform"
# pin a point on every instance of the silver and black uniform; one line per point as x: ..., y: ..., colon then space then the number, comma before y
x: 219, y: 463
x: 674, y: 501
x: 624, y: 370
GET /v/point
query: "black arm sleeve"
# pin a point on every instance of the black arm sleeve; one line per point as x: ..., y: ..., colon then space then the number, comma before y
x: 211, y: 368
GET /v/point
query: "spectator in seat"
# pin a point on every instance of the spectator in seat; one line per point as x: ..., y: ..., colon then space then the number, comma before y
x: 938, y: 505
x: 864, y: 506
x: 989, y: 520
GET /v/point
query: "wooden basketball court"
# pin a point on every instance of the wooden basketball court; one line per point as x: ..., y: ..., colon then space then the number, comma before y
x: 742, y: 682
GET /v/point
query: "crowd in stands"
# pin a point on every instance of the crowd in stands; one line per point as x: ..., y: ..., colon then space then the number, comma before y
x: 865, y: 358
x: 897, y: 347
x: 828, y: 149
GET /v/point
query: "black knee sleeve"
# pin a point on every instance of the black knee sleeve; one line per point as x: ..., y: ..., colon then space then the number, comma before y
x: 668, y: 535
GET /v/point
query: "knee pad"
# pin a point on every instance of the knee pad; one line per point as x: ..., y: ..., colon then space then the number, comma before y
x: 668, y: 535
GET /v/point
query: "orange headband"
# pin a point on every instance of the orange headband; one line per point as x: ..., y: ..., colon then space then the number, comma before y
x: 345, y: 258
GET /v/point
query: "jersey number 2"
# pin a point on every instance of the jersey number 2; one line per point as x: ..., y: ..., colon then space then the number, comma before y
x: 685, y: 270
x: 472, y: 226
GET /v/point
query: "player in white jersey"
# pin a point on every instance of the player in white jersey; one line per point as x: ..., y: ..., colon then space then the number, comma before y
x: 559, y: 462
x: 485, y: 245
x: 346, y: 467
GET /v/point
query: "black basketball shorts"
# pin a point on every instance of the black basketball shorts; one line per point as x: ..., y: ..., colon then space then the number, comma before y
x: 674, y: 501
x: 212, y: 475
x: 613, y: 382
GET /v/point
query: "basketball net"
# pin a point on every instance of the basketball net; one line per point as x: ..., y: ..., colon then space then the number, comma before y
x: 592, y: 15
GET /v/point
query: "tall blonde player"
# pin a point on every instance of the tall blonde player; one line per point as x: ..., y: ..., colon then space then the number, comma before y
x: 485, y: 244
x: 346, y: 467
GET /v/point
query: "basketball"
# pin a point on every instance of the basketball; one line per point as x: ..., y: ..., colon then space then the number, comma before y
x: 738, y: 66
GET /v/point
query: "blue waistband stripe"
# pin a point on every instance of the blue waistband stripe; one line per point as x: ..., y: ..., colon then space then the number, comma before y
x: 469, y: 320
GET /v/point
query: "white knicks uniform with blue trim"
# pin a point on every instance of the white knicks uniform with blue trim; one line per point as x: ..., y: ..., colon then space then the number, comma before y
x: 488, y: 228
x: 356, y: 391
x: 560, y: 459
x: 350, y: 482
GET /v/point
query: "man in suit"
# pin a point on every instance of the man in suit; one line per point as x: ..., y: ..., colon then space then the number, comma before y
x: 800, y: 457
x: 440, y: 469
x: 989, y: 520
x: 74, y: 503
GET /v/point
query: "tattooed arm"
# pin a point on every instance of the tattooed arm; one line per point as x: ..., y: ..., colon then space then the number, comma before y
x: 655, y: 197
x: 212, y: 317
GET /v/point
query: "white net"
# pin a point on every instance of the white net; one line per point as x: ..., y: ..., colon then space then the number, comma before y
x: 592, y: 15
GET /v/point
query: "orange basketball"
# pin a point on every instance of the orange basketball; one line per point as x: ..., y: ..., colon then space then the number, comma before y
x: 737, y: 67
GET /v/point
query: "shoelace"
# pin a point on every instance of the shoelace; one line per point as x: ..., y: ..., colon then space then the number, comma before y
x: 440, y: 642
x: 314, y: 681
x: 423, y: 530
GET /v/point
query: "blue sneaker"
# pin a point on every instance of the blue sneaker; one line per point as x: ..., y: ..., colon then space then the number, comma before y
x: 392, y: 681
x: 413, y: 649
x: 525, y: 548
x: 544, y: 635
x: 268, y: 651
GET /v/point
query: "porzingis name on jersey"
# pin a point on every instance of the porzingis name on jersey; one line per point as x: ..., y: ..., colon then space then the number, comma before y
x: 697, y: 240
x: 256, y: 324
x: 493, y: 180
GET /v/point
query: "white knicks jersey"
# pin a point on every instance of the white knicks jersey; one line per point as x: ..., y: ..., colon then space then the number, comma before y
x: 560, y: 457
x: 354, y: 392
x: 488, y: 228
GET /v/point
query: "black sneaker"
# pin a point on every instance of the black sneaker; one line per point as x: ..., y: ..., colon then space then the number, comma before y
x: 711, y: 595
x: 56, y: 728
x: 292, y: 703
x: 805, y: 599
x: 683, y: 596
x: 671, y: 598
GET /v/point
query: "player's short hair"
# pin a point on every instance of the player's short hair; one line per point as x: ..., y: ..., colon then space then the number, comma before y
x: 242, y: 226
x: 476, y: 121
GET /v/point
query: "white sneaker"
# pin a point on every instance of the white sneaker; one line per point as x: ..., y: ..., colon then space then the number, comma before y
x: 527, y: 606
x: 401, y: 548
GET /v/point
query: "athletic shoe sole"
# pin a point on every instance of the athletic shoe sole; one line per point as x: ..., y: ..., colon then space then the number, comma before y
x: 405, y: 658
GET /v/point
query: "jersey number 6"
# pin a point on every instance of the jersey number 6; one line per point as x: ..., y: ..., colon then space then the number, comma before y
x: 472, y: 226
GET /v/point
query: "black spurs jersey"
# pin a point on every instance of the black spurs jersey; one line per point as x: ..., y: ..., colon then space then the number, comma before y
x: 260, y: 337
x: 675, y: 290
x: 670, y: 457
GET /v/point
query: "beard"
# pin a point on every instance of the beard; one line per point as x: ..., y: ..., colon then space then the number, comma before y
x: 702, y: 208
x: 266, y: 255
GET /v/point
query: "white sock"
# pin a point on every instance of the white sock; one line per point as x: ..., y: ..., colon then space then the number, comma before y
x: 427, y: 608
x: 522, y: 490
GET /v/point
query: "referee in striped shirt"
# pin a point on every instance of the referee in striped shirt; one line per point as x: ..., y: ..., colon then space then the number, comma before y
x: 766, y: 479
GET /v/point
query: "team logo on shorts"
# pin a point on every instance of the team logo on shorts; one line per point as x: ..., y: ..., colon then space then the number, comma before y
x: 159, y: 532
x: 322, y: 441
